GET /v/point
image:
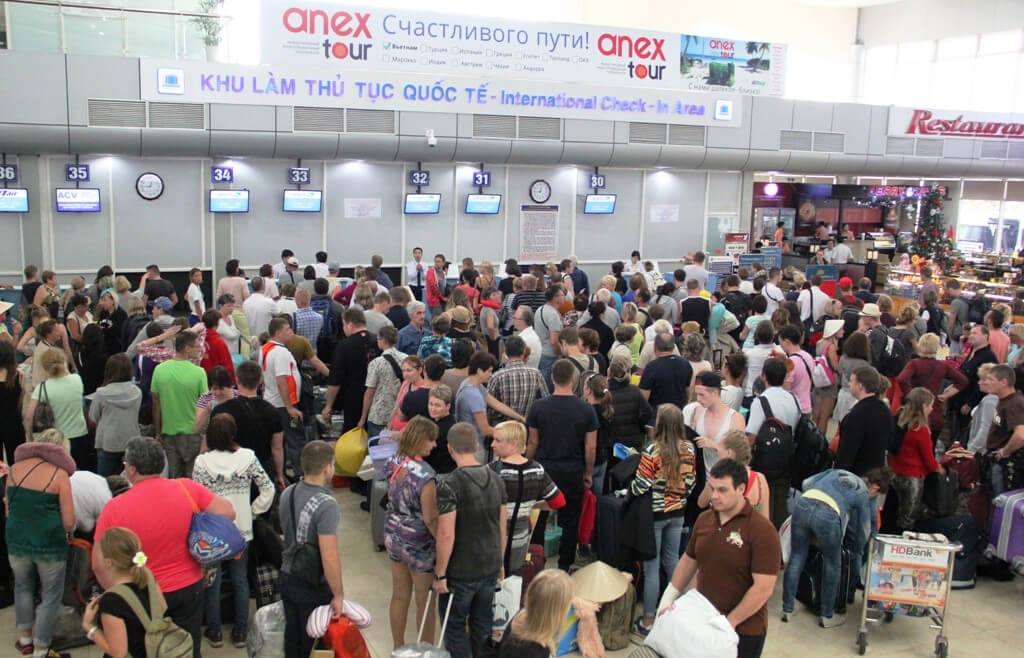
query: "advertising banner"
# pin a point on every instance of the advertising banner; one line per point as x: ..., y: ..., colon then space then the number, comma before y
x: 911, y: 574
x: 350, y: 37
x: 202, y: 82
x: 954, y: 123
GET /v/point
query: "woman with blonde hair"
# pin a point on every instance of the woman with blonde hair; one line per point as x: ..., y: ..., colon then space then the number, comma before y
x: 41, y: 514
x: 906, y: 330
x: 363, y: 297
x: 411, y: 526
x: 109, y: 620
x: 630, y: 313
x: 534, y: 631
x: 912, y: 455
x: 63, y: 392
x: 527, y: 486
x: 736, y: 445
x: 668, y: 469
x: 932, y: 373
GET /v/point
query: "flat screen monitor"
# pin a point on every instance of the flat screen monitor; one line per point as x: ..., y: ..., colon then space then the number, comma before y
x: 599, y: 204
x: 229, y: 200
x: 14, y: 199
x: 72, y: 199
x: 483, y: 204
x: 422, y: 204
x: 302, y: 200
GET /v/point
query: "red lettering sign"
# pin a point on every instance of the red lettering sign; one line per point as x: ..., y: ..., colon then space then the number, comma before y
x: 621, y: 45
x: 923, y: 123
x: 313, y: 21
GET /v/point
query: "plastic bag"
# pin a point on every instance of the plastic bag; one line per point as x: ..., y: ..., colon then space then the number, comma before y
x: 350, y: 451
x: 692, y: 628
x: 786, y: 538
x: 506, y: 605
x: 266, y: 633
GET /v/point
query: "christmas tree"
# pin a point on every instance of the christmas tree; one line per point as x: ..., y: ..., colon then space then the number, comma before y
x: 931, y: 241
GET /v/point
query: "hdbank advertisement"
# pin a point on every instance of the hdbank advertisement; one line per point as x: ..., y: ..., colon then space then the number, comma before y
x: 349, y: 37
x: 305, y: 85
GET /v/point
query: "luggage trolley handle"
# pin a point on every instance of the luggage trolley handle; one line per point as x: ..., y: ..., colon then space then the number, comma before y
x: 427, y: 610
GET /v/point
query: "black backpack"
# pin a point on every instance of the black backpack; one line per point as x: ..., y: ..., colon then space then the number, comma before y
x: 584, y: 375
x: 936, y: 323
x: 977, y: 308
x: 893, y: 357
x: 811, y: 454
x: 773, y: 446
x: 851, y: 319
x: 738, y: 304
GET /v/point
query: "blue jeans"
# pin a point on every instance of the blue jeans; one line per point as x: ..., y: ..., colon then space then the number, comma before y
x: 109, y: 463
x: 373, y: 429
x: 598, y: 485
x: 546, y: 362
x: 667, y: 535
x: 433, y: 312
x: 239, y: 572
x: 51, y: 576
x: 812, y: 519
x: 473, y: 600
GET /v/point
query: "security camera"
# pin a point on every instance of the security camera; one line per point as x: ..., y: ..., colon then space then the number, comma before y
x: 431, y: 140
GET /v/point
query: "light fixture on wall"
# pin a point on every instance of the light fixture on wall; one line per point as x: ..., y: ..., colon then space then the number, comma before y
x: 771, y: 189
x: 871, y: 254
x: 765, y: 242
x: 813, y: 248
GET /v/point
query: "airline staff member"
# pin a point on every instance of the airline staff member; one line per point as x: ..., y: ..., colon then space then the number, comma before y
x: 416, y: 273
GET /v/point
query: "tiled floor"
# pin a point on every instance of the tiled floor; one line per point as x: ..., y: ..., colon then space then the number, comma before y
x: 985, y: 621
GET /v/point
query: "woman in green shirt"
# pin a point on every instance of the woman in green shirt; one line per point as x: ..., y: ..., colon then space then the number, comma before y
x: 63, y: 392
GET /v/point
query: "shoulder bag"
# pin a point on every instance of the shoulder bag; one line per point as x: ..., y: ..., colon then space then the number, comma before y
x: 42, y: 418
x: 306, y: 565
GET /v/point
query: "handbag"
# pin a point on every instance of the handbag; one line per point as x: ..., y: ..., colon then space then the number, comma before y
x: 350, y: 451
x: 822, y: 376
x: 211, y: 538
x: 306, y: 565
x: 42, y: 418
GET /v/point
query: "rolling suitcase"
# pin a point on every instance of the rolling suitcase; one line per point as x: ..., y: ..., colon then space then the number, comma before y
x: 611, y: 510
x: 378, y: 513
x: 1006, y: 535
x: 957, y: 529
x: 808, y: 591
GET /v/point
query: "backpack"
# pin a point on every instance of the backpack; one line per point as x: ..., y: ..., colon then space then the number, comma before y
x: 164, y: 638
x: 893, y: 357
x: 811, y: 454
x: 773, y: 445
x: 936, y: 323
x: 585, y: 375
x: 327, y: 340
x: 738, y: 304
x: 977, y: 308
x: 851, y: 319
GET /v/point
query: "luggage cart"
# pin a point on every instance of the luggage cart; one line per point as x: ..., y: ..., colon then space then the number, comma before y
x: 909, y: 575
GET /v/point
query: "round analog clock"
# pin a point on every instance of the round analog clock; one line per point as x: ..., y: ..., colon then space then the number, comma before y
x: 540, y: 191
x: 149, y: 186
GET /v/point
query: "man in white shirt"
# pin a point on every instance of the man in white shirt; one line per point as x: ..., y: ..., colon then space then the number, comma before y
x: 841, y: 255
x: 416, y: 274
x: 782, y: 402
x: 320, y: 266
x: 282, y: 386
x: 812, y: 302
x: 281, y: 268
x: 258, y: 308
x: 89, y: 493
x: 772, y: 292
x: 523, y: 323
x: 696, y: 270
x: 286, y: 304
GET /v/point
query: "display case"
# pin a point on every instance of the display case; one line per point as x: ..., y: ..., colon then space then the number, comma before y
x: 907, y: 283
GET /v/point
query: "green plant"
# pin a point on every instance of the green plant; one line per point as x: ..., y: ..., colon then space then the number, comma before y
x: 208, y: 25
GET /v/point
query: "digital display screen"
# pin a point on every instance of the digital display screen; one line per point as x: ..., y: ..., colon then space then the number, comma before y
x: 229, y: 200
x: 85, y: 199
x: 599, y: 204
x: 483, y: 204
x: 14, y: 199
x: 422, y: 204
x: 302, y: 200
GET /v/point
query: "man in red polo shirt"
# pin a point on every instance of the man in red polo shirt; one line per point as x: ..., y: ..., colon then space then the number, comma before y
x: 735, y: 553
x: 160, y: 511
x: 217, y: 352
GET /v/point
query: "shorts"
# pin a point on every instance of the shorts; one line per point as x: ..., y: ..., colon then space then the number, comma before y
x: 419, y: 557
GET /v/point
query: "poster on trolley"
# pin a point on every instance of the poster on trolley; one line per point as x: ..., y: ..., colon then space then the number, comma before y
x: 908, y: 573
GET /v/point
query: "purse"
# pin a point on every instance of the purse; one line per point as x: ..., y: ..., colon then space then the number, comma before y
x: 42, y: 418
x: 211, y: 538
x: 306, y: 565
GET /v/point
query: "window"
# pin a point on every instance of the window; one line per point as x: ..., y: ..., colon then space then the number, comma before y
x: 977, y: 223
x: 995, y: 43
x: 956, y: 47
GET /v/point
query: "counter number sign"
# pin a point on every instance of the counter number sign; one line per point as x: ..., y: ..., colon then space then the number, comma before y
x: 597, y: 181
x: 222, y: 175
x: 298, y: 175
x: 76, y: 173
x: 419, y: 177
x: 9, y: 173
x: 482, y: 178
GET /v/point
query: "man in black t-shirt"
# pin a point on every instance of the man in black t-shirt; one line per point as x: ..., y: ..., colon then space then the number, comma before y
x: 666, y: 378
x: 153, y: 286
x: 259, y: 425
x: 348, y: 369
x: 563, y: 438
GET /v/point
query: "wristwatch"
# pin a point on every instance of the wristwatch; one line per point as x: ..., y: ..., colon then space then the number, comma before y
x: 440, y: 577
x: 92, y: 630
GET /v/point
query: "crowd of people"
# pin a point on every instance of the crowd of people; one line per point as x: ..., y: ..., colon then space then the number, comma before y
x: 515, y: 390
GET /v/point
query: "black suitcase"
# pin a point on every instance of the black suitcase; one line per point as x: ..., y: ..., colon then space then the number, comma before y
x: 611, y: 511
x: 808, y: 591
x: 941, y: 494
x: 964, y: 530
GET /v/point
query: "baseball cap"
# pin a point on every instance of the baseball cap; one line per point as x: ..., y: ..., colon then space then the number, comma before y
x: 163, y: 303
x: 333, y: 266
x: 293, y: 261
x: 846, y: 282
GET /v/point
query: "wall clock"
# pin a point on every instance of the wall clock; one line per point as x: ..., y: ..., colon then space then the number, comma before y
x: 149, y: 186
x: 540, y: 191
